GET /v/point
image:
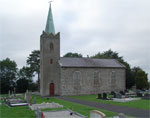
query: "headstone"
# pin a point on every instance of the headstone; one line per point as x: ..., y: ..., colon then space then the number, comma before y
x: 114, y: 94
x: 25, y: 96
x: 139, y: 94
x: 147, y: 96
x: 34, y: 100
x: 12, y: 93
x: 104, y: 95
x: 118, y: 95
x: 99, y: 96
x: 30, y: 100
x: 15, y: 92
x: 97, y: 114
x: 121, y: 115
x: 38, y: 113
x: 122, y: 93
x: 126, y: 90
x: 9, y: 93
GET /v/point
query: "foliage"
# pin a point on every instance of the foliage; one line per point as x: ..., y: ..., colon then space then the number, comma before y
x: 34, y: 63
x: 24, y: 81
x: 114, y: 55
x: 141, y: 80
x: 70, y: 54
x: 8, y: 72
x: 22, y: 85
x: 108, y: 54
x: 25, y: 72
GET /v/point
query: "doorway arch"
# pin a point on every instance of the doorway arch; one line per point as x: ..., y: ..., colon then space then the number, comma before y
x: 51, y: 89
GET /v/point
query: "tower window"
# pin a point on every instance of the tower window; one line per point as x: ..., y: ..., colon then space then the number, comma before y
x: 51, y: 46
x: 51, y: 61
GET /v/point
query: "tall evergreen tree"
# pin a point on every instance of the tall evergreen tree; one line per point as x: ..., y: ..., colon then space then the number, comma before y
x: 8, y: 75
x: 34, y: 63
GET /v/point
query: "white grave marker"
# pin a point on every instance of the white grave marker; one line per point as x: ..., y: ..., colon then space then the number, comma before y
x: 96, y: 114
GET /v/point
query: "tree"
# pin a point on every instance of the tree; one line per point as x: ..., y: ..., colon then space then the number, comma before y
x: 141, y: 79
x: 8, y: 72
x: 70, y: 54
x: 24, y: 81
x: 114, y: 55
x: 22, y: 85
x: 109, y: 55
x: 25, y: 72
x: 34, y: 63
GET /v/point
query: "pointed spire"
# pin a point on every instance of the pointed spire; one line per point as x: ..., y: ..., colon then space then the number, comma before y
x: 50, y: 24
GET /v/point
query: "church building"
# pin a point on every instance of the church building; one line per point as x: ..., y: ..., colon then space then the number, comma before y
x: 75, y: 76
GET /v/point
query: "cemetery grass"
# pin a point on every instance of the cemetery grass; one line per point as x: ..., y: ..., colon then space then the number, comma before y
x: 16, y: 112
x: 140, y: 104
x: 25, y: 112
x: 82, y: 109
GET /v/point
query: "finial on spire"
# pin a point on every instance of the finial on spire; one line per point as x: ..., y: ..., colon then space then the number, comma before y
x: 50, y: 2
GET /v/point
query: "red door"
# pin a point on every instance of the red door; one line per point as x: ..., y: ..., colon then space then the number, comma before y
x: 51, y: 89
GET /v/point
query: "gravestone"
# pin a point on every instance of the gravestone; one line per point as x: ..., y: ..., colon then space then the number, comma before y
x: 34, y: 100
x: 9, y: 93
x: 139, y: 94
x: 97, y: 114
x: 14, y: 92
x: 122, y: 93
x: 38, y: 113
x: 30, y: 100
x: 121, y: 115
x: 99, y: 96
x: 114, y: 94
x: 25, y: 96
x: 104, y: 95
x: 147, y: 96
x: 126, y: 90
x: 118, y: 95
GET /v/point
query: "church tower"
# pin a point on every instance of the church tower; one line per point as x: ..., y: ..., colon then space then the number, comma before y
x: 49, y: 57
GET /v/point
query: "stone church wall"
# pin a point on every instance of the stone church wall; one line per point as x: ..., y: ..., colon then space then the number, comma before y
x: 80, y: 81
x: 49, y: 71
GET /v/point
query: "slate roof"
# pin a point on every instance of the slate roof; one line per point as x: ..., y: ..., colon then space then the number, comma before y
x: 89, y: 62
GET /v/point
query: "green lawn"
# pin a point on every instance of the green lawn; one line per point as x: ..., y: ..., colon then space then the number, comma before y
x: 25, y: 112
x: 140, y: 104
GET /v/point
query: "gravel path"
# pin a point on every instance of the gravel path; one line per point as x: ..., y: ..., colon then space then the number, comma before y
x: 118, y: 109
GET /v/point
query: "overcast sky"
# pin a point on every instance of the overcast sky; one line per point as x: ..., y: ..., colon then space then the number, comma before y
x: 85, y: 26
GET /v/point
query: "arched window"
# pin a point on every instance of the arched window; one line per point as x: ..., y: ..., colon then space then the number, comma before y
x: 77, y: 77
x: 51, y: 46
x: 113, y: 77
x: 96, y: 77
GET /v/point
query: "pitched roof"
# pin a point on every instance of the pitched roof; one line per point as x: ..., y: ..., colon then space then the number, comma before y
x: 89, y: 62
